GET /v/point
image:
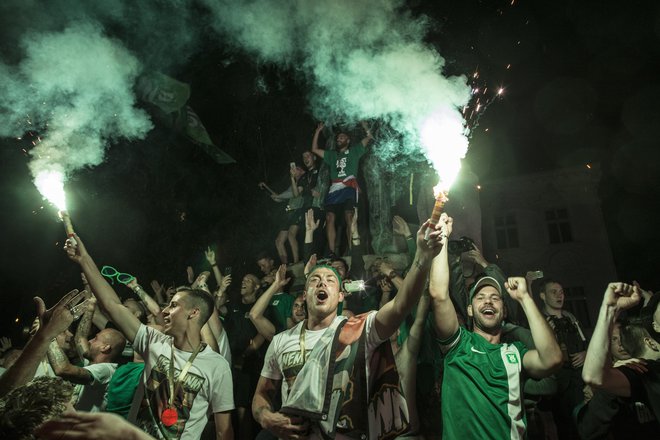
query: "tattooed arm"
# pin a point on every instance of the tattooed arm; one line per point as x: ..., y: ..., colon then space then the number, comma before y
x: 82, y: 333
x: 64, y: 369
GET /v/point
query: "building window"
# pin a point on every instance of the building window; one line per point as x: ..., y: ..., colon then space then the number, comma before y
x: 559, y: 228
x: 576, y: 302
x: 506, y: 231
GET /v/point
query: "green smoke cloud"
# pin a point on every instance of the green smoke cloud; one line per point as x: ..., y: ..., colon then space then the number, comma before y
x: 364, y: 59
x: 75, y: 87
x: 68, y: 70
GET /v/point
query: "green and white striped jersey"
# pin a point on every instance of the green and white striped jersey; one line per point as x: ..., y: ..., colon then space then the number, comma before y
x: 481, y: 389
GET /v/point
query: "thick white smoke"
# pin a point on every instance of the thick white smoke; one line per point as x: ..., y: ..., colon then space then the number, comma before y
x: 364, y: 59
x: 360, y: 59
x: 67, y: 73
x: 75, y: 87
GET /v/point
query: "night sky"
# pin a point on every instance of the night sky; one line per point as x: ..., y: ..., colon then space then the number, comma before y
x: 581, y: 84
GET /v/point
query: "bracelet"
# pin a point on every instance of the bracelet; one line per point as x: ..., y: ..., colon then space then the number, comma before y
x: 214, y: 265
x: 137, y: 288
x: 410, y: 237
x: 392, y: 274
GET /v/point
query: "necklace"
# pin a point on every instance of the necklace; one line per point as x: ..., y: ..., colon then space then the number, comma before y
x: 169, y: 416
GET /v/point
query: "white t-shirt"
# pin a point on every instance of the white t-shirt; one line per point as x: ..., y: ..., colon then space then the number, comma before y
x: 91, y: 396
x: 44, y: 369
x: 207, y: 387
x: 223, y: 346
x: 283, y: 359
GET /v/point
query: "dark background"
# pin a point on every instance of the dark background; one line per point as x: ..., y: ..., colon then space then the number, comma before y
x: 582, y: 86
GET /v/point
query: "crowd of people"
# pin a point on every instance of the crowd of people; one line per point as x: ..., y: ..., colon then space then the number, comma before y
x: 319, y: 348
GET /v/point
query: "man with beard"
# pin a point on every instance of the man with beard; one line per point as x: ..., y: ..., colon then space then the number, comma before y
x: 184, y: 379
x: 344, y: 163
x: 481, y: 390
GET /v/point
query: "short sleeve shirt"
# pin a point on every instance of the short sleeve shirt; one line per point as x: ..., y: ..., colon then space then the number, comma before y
x: 344, y: 164
x: 482, y: 379
x: 207, y: 387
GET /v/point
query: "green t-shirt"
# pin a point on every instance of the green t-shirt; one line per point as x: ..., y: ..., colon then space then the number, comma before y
x: 482, y: 388
x: 281, y: 305
x: 122, y: 386
x: 344, y: 164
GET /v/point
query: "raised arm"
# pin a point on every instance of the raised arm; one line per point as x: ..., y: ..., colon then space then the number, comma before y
x: 215, y: 324
x: 52, y: 322
x: 315, y: 141
x: 547, y: 356
x: 357, y: 248
x: 210, y: 257
x: 367, y: 131
x: 221, y: 295
x: 81, y: 338
x: 263, y: 324
x: 297, y: 190
x: 444, y: 314
x: 390, y: 316
x: 597, y: 370
x: 388, y: 271
x: 152, y: 306
x: 400, y: 227
x: 308, y: 248
x: 64, y: 369
x: 105, y: 294
x: 158, y: 291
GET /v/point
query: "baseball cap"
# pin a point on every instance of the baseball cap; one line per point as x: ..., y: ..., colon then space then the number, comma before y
x: 485, y: 281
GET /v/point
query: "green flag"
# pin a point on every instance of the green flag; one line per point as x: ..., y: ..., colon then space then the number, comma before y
x: 164, y: 92
x: 188, y: 122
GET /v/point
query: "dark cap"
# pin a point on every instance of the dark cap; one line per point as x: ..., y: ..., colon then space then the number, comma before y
x: 482, y: 282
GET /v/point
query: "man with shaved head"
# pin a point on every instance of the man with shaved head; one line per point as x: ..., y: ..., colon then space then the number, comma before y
x: 101, y: 362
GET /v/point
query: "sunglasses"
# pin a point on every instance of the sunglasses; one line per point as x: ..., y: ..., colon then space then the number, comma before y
x: 113, y: 274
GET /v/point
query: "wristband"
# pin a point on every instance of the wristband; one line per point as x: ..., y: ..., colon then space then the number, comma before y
x: 137, y: 288
x: 214, y: 265
x: 410, y: 237
x: 392, y: 274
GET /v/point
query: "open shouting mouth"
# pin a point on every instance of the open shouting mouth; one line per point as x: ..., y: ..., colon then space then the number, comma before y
x: 321, y: 296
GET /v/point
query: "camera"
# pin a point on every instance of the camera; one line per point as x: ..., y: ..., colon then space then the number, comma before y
x: 463, y: 244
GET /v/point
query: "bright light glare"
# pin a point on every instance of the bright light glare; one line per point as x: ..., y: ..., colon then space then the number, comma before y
x: 51, y: 186
x: 444, y: 140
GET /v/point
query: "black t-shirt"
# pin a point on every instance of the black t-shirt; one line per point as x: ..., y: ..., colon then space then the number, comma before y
x: 240, y: 330
x: 308, y: 183
x: 607, y: 416
x: 567, y: 333
x: 645, y: 387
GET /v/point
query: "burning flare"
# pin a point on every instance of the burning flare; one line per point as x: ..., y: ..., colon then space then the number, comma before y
x: 51, y: 186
